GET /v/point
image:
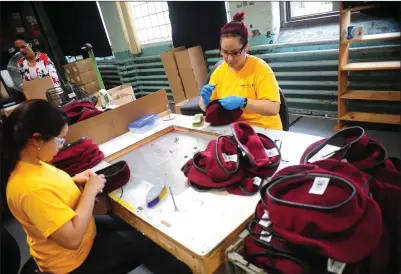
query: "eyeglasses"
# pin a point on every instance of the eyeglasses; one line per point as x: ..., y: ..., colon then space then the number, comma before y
x: 59, y: 141
x: 224, y: 53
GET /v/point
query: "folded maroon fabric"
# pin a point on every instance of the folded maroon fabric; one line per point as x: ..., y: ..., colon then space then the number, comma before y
x: 79, y: 157
x: 88, y: 113
x: 256, y: 148
x: 246, y: 187
x: 217, y: 115
x: 79, y: 110
x: 86, y: 164
x: 117, y: 175
x: 344, y: 223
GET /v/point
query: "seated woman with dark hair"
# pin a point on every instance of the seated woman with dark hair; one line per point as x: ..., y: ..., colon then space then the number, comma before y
x: 62, y: 234
x: 34, y: 65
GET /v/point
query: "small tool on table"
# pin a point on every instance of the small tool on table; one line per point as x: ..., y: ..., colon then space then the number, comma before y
x: 172, y: 196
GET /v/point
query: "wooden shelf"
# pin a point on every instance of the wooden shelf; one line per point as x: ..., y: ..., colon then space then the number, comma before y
x: 372, y: 118
x: 375, y: 37
x: 384, y: 65
x: 372, y: 95
x: 360, y: 8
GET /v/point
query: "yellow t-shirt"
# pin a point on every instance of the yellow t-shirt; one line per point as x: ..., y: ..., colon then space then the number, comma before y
x: 255, y: 81
x: 43, y: 198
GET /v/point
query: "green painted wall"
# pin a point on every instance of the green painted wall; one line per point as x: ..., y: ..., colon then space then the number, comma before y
x: 113, y: 26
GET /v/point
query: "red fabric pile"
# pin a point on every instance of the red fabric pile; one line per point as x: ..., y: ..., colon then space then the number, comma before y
x: 77, y: 111
x: 335, y: 209
x: 238, y: 163
x: 79, y: 157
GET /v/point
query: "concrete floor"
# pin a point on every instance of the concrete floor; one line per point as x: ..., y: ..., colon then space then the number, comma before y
x: 307, y: 125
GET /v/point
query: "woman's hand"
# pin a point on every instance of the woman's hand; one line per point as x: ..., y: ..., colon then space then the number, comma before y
x: 83, y: 177
x: 206, y: 93
x: 232, y: 102
x: 95, y: 183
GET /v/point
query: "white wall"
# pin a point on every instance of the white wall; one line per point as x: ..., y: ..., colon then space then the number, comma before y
x: 260, y: 17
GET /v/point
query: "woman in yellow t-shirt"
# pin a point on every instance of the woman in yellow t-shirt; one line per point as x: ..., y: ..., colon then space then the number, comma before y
x: 243, y: 81
x: 62, y: 234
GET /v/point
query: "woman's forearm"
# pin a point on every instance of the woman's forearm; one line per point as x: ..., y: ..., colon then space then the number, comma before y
x: 263, y: 107
x: 84, y: 213
x: 201, y: 104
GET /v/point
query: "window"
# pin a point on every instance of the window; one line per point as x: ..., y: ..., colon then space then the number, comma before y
x: 152, y: 21
x: 307, y: 13
x: 228, y: 13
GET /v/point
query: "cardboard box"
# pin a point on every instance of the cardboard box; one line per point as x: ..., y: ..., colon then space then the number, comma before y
x: 179, y: 105
x: 123, y: 98
x: 91, y: 87
x: 113, y: 123
x: 173, y: 76
x: 122, y: 94
x: 3, y: 92
x: 192, y: 69
x: 121, y: 89
x: 36, y: 89
x: 78, y: 67
x: 83, y: 78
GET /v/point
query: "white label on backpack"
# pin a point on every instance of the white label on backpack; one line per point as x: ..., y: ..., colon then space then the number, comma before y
x: 243, y: 153
x: 319, y: 185
x: 264, y: 222
x: 257, y: 181
x: 265, y: 236
x: 71, y: 95
x: 335, y: 266
x: 344, y: 160
x: 272, y: 152
x: 326, y: 152
x: 230, y: 158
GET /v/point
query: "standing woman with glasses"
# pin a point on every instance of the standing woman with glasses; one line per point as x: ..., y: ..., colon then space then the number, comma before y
x: 62, y: 234
x: 243, y: 81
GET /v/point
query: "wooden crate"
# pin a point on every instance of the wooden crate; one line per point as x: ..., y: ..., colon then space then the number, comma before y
x: 235, y: 262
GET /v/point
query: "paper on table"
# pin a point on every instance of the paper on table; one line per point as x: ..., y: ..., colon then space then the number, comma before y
x: 134, y: 192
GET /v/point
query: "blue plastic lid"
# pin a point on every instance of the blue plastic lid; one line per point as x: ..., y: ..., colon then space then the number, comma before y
x: 144, y: 121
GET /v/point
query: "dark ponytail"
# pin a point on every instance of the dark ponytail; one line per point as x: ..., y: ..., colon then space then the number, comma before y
x: 34, y: 116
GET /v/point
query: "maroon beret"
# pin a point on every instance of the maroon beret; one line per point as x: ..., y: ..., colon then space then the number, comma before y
x: 351, y: 141
x: 217, y: 115
x: 269, y: 252
x: 117, y: 175
x: 257, y: 148
x: 342, y: 221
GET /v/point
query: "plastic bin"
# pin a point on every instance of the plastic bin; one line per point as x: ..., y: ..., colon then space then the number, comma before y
x: 144, y: 124
x: 235, y: 262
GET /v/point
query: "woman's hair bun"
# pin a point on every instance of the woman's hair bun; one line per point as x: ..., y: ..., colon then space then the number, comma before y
x: 239, y: 16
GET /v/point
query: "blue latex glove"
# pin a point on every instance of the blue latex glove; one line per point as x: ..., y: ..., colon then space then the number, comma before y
x: 206, y: 92
x: 232, y: 102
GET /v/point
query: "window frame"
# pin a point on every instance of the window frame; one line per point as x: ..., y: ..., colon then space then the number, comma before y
x: 310, y: 20
x: 135, y: 18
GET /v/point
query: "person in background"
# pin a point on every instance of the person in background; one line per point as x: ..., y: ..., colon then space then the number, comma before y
x: 35, y: 65
x: 243, y: 81
x: 62, y: 233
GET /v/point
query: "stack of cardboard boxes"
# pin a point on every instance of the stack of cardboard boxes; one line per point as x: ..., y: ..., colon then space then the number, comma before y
x: 186, y: 72
x: 81, y: 73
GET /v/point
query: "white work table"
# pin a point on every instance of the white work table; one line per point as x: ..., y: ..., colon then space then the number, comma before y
x: 204, y: 219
